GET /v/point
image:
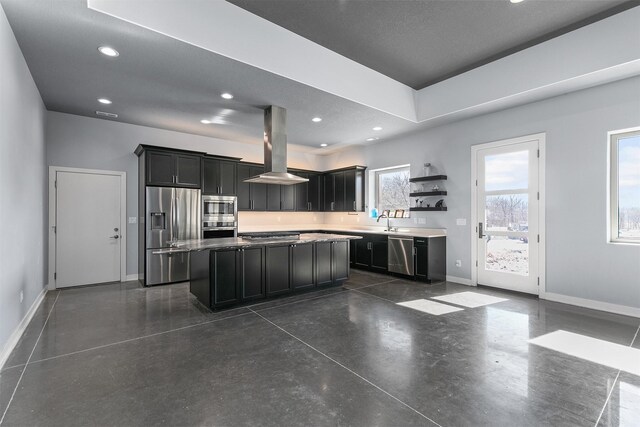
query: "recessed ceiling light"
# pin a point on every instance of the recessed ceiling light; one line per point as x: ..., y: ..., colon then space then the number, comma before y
x: 377, y: 128
x: 227, y: 95
x: 104, y: 101
x: 205, y: 121
x: 323, y: 145
x: 316, y: 119
x: 371, y: 139
x: 516, y: 1
x: 108, y: 51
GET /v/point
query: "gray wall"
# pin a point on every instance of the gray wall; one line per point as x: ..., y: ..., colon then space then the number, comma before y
x: 22, y: 193
x: 83, y: 142
x: 580, y: 262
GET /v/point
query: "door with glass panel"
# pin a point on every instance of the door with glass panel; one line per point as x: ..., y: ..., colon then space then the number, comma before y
x: 507, y: 197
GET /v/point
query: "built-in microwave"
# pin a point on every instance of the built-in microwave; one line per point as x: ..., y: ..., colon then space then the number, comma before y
x: 219, y: 216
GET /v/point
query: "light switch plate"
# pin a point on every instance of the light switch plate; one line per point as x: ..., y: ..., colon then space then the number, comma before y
x: 461, y: 221
x: 133, y: 219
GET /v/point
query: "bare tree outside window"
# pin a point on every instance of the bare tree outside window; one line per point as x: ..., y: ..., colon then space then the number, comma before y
x: 393, y: 189
x: 625, y: 186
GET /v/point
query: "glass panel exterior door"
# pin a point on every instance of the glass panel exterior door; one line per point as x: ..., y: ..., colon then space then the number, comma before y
x: 507, y: 212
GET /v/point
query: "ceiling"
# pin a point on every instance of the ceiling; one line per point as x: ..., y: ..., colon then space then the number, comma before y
x: 161, y: 82
x: 420, y: 43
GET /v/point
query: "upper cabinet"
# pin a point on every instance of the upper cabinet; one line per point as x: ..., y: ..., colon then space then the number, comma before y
x: 219, y: 177
x: 344, y: 190
x: 251, y: 196
x: 308, y: 195
x: 172, y: 168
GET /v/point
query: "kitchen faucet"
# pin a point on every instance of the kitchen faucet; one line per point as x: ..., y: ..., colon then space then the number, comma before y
x: 388, y: 221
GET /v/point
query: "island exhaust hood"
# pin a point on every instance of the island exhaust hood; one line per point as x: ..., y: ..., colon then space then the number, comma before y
x: 275, y: 150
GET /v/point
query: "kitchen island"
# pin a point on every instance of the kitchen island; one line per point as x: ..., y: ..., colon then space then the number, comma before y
x: 233, y: 271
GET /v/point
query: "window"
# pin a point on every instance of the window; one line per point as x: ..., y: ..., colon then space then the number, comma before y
x: 392, y: 189
x: 625, y: 186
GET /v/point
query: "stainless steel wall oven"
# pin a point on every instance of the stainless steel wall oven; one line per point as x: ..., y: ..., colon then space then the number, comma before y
x: 219, y: 216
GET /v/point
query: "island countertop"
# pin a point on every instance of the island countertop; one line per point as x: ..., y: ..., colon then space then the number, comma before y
x: 239, y: 242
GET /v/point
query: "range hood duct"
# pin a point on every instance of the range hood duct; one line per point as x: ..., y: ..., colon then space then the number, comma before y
x: 275, y: 150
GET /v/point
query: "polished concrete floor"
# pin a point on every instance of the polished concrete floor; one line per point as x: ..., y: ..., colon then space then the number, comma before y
x: 122, y: 355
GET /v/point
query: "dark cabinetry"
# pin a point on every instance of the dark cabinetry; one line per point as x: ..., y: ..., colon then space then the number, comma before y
x: 338, y: 191
x: 165, y: 168
x: 251, y: 196
x: 281, y: 197
x: 252, y: 264
x: 227, y: 277
x: 302, y: 264
x: 344, y: 190
x: 332, y: 262
x: 278, y: 272
x: 371, y: 252
x: 430, y: 259
x: 291, y: 267
x: 308, y: 195
x: 218, y: 177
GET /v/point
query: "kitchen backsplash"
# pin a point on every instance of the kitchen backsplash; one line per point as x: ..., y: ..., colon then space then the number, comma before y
x: 257, y: 219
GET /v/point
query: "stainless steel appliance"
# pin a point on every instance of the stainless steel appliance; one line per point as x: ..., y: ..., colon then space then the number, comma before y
x: 219, y: 216
x: 401, y: 255
x: 172, y: 214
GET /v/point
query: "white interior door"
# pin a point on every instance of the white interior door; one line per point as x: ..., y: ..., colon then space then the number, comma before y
x: 88, y: 236
x: 507, y: 198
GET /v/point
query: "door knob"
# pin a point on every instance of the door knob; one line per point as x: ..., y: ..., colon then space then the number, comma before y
x: 116, y: 229
x: 115, y: 237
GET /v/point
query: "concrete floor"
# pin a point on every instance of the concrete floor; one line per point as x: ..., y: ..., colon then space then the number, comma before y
x: 125, y: 355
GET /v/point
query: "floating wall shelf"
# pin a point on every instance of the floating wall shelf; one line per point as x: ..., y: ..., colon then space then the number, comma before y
x: 428, y: 193
x: 427, y: 209
x: 428, y: 178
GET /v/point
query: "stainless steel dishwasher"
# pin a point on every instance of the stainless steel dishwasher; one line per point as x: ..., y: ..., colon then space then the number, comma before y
x: 401, y: 255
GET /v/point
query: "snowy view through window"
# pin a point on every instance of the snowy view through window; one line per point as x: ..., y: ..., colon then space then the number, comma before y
x: 629, y: 187
x: 393, y: 189
x: 507, y: 173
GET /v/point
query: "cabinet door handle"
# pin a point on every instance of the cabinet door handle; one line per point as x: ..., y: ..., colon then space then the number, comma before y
x: 354, y: 205
x: 415, y: 252
x: 332, y: 203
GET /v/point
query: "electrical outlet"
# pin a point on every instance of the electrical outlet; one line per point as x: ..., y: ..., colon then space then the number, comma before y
x: 422, y: 221
x: 132, y: 220
x: 461, y: 221
x: 458, y: 263
x: 21, y: 296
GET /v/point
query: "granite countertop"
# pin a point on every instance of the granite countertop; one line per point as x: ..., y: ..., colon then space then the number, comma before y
x: 402, y: 231
x: 239, y: 242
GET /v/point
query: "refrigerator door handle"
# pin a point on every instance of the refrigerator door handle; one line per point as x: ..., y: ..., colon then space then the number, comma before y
x: 177, y: 219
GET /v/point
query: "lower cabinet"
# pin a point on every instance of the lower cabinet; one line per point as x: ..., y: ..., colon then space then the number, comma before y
x: 430, y: 259
x: 324, y: 275
x: 340, y: 260
x: 278, y: 270
x: 302, y: 266
x: 371, y: 253
x: 252, y: 268
x: 226, y: 277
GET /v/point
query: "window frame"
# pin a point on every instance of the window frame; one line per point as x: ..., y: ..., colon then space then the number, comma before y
x: 376, y: 184
x: 613, y: 219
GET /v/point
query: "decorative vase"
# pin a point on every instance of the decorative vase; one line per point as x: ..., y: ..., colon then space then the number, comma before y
x: 427, y: 167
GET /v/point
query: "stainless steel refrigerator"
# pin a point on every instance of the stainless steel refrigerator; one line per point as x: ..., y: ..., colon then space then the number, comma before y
x: 172, y: 214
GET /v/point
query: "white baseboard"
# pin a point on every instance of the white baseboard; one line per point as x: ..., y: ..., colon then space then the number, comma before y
x: 132, y: 277
x: 595, y: 305
x: 459, y: 280
x: 17, y: 333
